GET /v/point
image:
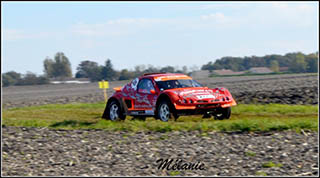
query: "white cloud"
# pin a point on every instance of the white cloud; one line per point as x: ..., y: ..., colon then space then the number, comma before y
x: 264, y: 14
x: 217, y: 17
x: 98, y: 30
x: 219, y: 6
x: 129, y: 26
x: 137, y: 21
x: 119, y: 27
x: 14, y: 34
x: 10, y: 34
x: 294, y: 10
x: 253, y: 15
x: 284, y: 14
x: 289, y: 8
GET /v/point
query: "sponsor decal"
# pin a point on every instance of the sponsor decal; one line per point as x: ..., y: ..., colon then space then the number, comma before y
x: 134, y: 83
x: 149, y: 112
x: 143, y: 99
x: 172, y: 77
x: 205, y: 96
x: 191, y: 91
x: 142, y: 106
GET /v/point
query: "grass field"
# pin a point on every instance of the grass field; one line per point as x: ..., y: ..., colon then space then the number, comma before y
x: 271, y: 117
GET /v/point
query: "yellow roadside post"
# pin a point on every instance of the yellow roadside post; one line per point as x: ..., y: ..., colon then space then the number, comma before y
x: 104, y: 85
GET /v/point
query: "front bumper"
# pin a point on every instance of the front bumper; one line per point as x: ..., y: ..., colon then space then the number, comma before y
x: 208, y: 105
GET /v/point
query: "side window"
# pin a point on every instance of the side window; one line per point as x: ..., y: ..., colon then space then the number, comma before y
x: 145, y: 86
x: 196, y: 84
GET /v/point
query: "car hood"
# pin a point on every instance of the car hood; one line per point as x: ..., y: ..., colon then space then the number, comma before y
x: 199, y: 93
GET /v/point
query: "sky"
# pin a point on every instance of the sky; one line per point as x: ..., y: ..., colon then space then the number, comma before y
x: 152, y: 33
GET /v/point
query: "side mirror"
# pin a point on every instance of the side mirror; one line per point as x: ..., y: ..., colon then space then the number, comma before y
x: 152, y: 91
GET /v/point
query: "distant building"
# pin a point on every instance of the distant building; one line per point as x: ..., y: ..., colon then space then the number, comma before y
x: 69, y: 80
x: 283, y: 69
x: 260, y: 70
x: 200, y: 74
x: 226, y: 72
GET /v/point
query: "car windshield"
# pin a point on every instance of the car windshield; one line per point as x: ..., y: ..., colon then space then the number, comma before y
x: 169, y: 84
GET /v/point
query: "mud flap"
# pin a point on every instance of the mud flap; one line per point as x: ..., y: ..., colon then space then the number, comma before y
x: 104, y: 115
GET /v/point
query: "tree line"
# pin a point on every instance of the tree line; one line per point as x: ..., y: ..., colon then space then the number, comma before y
x: 95, y: 72
x: 15, y: 78
x: 296, y: 62
x: 60, y: 68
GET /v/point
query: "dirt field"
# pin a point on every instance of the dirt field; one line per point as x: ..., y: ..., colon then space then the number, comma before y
x: 46, y: 152
x: 286, y: 89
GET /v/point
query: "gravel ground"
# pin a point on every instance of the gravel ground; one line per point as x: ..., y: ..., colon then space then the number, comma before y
x: 45, y: 152
x: 285, y: 89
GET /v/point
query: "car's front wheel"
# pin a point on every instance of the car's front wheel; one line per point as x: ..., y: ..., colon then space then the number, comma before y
x: 222, y: 113
x: 114, y: 112
x: 164, y: 111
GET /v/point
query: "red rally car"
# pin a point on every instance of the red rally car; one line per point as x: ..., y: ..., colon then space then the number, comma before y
x: 167, y: 95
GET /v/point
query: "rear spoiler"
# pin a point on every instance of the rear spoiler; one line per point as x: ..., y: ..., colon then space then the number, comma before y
x: 117, y: 89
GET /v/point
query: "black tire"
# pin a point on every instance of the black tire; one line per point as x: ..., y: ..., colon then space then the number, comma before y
x: 223, y: 113
x: 206, y: 116
x: 175, y: 116
x: 114, y: 112
x: 164, y: 111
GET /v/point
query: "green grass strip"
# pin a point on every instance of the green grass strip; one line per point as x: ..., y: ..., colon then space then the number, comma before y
x: 244, y: 118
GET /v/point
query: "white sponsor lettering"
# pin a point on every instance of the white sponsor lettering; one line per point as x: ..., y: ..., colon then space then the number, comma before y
x: 205, y: 96
x: 192, y: 91
x: 149, y: 111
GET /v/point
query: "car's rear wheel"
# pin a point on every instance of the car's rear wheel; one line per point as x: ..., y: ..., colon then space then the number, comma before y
x: 164, y: 113
x: 114, y: 112
x: 222, y: 113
